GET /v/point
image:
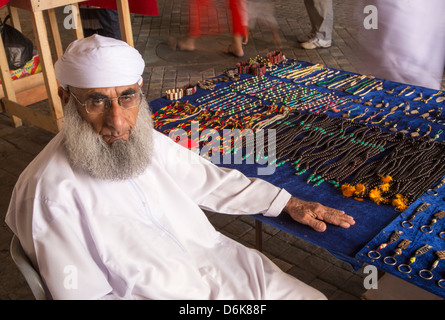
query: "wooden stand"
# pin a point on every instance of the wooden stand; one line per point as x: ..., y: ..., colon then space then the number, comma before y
x: 20, y: 93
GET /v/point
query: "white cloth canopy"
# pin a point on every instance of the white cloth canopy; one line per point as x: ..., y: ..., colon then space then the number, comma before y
x: 145, y: 237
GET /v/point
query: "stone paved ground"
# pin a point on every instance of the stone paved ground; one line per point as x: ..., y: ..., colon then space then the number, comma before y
x: 167, y: 69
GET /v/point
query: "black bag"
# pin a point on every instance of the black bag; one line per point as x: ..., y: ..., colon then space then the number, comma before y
x: 19, y: 49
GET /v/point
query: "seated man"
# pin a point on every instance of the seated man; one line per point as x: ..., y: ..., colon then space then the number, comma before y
x: 112, y: 209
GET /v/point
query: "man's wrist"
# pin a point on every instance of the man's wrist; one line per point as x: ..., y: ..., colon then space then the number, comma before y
x: 292, y: 204
x: 279, y: 203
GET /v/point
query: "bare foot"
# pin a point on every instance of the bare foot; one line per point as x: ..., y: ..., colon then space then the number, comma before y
x: 234, y: 51
x: 276, y: 39
x: 187, y: 44
x: 236, y: 47
x: 172, y: 43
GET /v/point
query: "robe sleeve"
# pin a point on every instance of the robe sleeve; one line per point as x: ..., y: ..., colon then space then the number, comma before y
x: 216, y: 188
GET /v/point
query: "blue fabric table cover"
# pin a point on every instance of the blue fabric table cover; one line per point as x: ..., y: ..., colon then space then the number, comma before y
x: 373, y: 221
x: 418, y: 239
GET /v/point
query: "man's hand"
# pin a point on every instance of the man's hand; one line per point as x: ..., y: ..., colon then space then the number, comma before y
x: 315, y: 214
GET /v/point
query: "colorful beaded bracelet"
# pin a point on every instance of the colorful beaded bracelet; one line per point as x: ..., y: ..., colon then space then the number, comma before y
x: 189, y: 90
x: 174, y: 94
x: 258, y: 69
x: 275, y: 56
x: 243, y: 67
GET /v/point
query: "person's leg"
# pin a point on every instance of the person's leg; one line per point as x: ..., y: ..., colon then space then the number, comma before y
x: 244, y: 12
x: 104, y: 22
x: 109, y: 19
x: 268, y: 14
x: 195, y: 12
x: 238, y: 29
x: 321, y: 15
x: 312, y: 13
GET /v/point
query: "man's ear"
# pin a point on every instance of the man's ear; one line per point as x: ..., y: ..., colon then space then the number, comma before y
x: 63, y: 94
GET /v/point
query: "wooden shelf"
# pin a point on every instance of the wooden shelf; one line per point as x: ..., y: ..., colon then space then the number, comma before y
x: 18, y: 94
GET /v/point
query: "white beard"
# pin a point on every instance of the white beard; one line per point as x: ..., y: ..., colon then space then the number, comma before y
x: 122, y: 159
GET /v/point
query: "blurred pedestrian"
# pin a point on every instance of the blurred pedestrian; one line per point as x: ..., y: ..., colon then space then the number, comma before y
x: 407, y: 41
x: 263, y: 10
x: 239, y: 27
x: 104, y: 22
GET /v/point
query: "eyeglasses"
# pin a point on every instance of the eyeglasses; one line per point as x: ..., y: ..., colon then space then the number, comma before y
x: 103, y: 103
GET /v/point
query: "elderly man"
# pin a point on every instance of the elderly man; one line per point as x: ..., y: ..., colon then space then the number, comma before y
x: 112, y: 209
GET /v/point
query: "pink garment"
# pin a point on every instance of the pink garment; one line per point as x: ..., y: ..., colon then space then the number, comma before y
x: 3, y: 2
x: 146, y: 7
x: 197, y: 9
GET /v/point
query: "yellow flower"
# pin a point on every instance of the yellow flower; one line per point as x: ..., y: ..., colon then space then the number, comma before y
x: 384, y: 187
x: 399, y: 202
x: 360, y: 189
x: 386, y: 179
x: 376, y: 196
x: 347, y: 190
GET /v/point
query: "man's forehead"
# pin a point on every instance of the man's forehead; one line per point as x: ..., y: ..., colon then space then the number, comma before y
x: 109, y: 91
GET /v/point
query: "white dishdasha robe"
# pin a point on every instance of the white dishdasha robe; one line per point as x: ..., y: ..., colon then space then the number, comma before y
x: 145, y: 237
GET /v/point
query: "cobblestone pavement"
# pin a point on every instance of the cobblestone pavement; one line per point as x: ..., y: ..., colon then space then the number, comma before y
x: 167, y: 69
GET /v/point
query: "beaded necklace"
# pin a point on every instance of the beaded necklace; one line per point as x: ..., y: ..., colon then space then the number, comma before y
x: 325, y: 74
x: 334, y: 149
x: 414, y: 166
x: 359, y: 85
x: 282, y: 72
x: 313, y: 132
x: 259, y: 86
x: 245, y: 83
x: 213, y: 94
x: 303, y: 72
x: 362, y: 161
x: 364, y: 90
x: 276, y: 93
x: 177, y: 111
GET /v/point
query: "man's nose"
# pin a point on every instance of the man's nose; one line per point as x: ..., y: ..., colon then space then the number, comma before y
x: 115, y: 117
